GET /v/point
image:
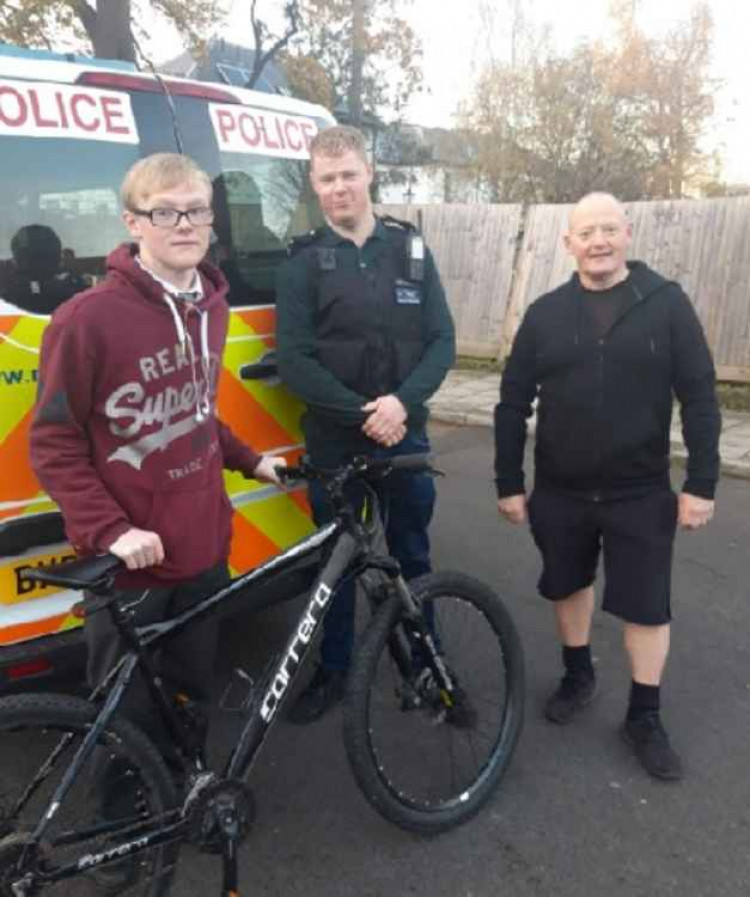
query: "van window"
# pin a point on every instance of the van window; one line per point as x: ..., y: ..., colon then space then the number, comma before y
x: 60, y: 216
x: 260, y: 204
x: 61, y: 210
x: 260, y: 201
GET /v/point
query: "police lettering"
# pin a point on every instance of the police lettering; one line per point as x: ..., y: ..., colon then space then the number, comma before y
x: 256, y: 131
x: 48, y: 110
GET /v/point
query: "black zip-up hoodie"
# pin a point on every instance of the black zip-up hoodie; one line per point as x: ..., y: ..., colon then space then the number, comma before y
x: 605, y: 406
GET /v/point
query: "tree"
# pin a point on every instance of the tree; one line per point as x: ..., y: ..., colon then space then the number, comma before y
x: 388, y: 52
x: 262, y: 35
x: 628, y: 117
x: 108, y: 27
x: 667, y: 80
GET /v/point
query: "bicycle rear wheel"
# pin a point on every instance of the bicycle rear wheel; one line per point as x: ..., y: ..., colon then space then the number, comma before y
x: 423, y: 765
x: 125, y: 784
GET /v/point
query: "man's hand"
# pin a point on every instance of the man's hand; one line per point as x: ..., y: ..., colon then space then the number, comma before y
x: 386, y: 423
x: 266, y: 470
x: 513, y: 508
x: 138, y: 548
x: 694, y: 511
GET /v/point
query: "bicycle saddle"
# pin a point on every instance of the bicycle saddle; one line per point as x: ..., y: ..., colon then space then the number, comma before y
x: 92, y: 573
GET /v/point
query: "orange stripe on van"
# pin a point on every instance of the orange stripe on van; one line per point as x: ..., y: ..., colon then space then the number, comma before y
x: 248, y: 419
x: 250, y: 546
x: 262, y: 320
x: 8, y: 323
x: 302, y: 501
x: 14, y: 456
x: 22, y: 631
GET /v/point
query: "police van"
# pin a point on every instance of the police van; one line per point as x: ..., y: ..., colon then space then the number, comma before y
x: 70, y: 127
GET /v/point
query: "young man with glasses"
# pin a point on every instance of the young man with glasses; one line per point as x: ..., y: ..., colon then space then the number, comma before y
x: 125, y: 437
x: 604, y: 354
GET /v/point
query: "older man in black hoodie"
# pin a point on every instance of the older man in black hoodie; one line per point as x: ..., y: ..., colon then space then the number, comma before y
x: 604, y: 354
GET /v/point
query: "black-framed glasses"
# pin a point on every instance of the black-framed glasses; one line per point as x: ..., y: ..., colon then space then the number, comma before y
x: 198, y: 217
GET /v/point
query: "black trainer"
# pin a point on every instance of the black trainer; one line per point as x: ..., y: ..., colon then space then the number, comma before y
x: 650, y: 743
x: 325, y: 690
x: 571, y: 696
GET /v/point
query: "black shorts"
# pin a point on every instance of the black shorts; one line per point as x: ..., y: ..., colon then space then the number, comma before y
x: 637, y: 536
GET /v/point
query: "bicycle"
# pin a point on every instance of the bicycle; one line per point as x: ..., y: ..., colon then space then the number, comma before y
x: 429, y: 728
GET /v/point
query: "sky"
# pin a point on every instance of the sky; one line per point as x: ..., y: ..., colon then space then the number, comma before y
x: 456, y: 44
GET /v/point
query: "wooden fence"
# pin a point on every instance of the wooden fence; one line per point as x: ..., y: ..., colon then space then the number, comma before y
x: 474, y: 248
x: 495, y: 260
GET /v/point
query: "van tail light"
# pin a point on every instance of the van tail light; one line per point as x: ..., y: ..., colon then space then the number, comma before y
x: 27, y: 669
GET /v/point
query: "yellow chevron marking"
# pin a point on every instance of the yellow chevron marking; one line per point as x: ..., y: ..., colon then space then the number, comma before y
x: 28, y: 332
x: 70, y: 622
x: 235, y: 482
x: 17, y: 397
x: 279, y: 518
x: 237, y: 327
x: 275, y: 399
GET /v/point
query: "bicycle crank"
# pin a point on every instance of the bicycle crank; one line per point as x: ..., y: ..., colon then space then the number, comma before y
x: 225, y: 811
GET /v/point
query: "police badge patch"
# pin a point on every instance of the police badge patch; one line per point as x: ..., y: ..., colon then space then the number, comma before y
x: 408, y: 293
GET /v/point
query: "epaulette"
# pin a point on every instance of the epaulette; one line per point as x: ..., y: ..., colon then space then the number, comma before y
x: 296, y: 244
x: 390, y: 221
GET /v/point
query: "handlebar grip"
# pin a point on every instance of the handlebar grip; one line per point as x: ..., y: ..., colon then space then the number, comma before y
x: 421, y: 463
x: 290, y: 473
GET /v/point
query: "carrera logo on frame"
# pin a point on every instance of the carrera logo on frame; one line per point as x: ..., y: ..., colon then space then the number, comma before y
x: 291, y: 660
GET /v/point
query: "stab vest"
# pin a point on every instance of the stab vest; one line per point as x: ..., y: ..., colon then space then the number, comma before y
x: 368, y: 322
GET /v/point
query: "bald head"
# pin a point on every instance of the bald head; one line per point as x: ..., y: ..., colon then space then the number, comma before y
x: 596, y: 204
x: 598, y: 239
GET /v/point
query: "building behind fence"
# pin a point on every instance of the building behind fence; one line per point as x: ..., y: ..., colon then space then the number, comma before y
x: 496, y: 259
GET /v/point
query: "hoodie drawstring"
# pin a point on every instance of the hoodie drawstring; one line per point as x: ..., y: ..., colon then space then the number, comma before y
x: 202, y: 388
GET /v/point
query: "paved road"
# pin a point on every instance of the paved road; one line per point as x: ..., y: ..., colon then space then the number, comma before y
x: 575, y: 815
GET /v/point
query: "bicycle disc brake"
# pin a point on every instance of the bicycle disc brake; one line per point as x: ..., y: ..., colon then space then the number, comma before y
x: 423, y: 693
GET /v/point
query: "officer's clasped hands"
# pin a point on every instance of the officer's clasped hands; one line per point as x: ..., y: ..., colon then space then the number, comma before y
x: 386, y: 423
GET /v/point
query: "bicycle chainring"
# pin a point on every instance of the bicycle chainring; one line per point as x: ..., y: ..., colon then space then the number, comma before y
x: 12, y: 848
x: 225, y: 809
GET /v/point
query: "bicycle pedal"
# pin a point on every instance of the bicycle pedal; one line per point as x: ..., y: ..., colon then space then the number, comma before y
x: 239, y: 693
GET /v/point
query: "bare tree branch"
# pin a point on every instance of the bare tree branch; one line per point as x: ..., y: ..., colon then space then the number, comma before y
x: 87, y: 15
x: 262, y: 58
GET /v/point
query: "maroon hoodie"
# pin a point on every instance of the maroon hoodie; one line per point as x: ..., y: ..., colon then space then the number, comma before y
x: 125, y: 432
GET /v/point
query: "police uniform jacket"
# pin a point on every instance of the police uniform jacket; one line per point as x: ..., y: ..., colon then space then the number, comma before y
x: 352, y: 325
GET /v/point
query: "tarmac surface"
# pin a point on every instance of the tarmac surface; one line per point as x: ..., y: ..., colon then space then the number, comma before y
x: 469, y: 398
x: 575, y: 814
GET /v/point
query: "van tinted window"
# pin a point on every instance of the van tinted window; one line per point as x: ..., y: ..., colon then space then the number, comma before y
x: 260, y: 205
x: 261, y: 202
x: 60, y: 216
x: 60, y: 205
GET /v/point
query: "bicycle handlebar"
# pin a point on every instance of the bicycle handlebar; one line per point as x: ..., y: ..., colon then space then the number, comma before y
x: 96, y: 574
x: 360, y: 467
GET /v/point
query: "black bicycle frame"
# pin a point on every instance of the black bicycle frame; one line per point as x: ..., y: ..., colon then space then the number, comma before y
x: 349, y: 556
x: 344, y: 550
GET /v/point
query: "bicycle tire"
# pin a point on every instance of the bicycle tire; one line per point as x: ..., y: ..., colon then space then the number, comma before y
x: 394, y: 749
x: 126, y: 775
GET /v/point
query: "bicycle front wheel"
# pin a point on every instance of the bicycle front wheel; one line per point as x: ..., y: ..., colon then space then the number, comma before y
x: 125, y: 785
x: 422, y: 764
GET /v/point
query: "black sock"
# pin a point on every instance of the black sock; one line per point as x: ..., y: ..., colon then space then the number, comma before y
x: 577, y: 661
x: 644, y: 699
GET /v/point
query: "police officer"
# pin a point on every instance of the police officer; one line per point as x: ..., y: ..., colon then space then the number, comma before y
x: 365, y: 337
